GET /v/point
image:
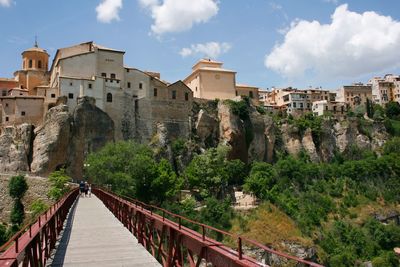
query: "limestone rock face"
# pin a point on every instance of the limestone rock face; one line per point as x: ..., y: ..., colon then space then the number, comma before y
x: 291, y: 139
x: 309, y: 146
x: 231, y: 130
x: 52, y: 140
x: 15, y: 148
x: 91, y: 129
x: 327, y: 142
x: 258, y: 145
x: 207, y: 129
x: 270, y: 133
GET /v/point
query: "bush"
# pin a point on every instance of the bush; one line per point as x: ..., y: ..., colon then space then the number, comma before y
x: 239, y: 108
x: 392, y: 146
x: 17, y: 186
x: 37, y: 207
x: 17, y: 215
x: 392, y: 110
x: 58, y: 181
x: 3, y: 234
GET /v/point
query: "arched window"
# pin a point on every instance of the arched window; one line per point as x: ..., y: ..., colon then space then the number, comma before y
x: 39, y: 64
x: 30, y: 63
x: 109, y: 97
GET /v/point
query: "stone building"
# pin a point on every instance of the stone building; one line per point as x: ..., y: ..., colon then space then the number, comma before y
x: 250, y: 91
x: 355, y: 94
x: 20, y: 109
x: 19, y: 99
x: 209, y: 80
x: 385, y: 89
x: 136, y: 100
x: 325, y: 107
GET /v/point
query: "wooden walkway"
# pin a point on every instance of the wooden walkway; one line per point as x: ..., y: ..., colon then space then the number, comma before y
x: 94, y: 237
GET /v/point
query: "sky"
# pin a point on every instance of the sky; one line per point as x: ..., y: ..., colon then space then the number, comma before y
x: 298, y: 43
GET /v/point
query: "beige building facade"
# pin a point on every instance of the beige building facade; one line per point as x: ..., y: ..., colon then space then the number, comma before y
x: 355, y: 94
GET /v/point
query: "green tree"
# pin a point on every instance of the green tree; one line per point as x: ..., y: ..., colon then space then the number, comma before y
x: 17, y: 186
x: 167, y: 184
x: 217, y: 214
x: 392, y: 109
x: 211, y: 173
x: 392, y: 146
x: 3, y: 234
x: 131, y: 170
x: 261, y: 180
x: 17, y: 189
x: 59, y: 184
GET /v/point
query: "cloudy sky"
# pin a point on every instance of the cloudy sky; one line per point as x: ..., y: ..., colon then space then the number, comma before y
x: 296, y: 43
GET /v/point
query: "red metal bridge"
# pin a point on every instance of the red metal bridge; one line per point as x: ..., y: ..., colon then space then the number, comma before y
x: 107, y: 230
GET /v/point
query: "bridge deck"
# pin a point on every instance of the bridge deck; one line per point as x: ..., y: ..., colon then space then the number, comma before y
x: 94, y: 237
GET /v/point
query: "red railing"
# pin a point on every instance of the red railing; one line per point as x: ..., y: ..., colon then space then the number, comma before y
x: 32, y: 245
x: 173, y: 244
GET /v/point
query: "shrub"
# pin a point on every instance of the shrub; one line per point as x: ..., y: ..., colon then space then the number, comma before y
x: 17, y: 186
x: 58, y: 181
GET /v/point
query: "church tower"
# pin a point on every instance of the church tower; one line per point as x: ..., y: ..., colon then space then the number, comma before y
x: 34, y: 72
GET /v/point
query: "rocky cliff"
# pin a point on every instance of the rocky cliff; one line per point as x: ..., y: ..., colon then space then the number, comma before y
x: 62, y: 141
x: 65, y: 138
x: 259, y: 137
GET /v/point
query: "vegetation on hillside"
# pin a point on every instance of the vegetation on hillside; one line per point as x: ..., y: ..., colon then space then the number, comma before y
x: 17, y: 188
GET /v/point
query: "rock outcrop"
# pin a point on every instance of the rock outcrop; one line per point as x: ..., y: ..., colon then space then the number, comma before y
x: 15, y: 148
x: 52, y: 140
x: 232, y: 132
x: 91, y: 129
x: 260, y: 138
x: 63, y: 140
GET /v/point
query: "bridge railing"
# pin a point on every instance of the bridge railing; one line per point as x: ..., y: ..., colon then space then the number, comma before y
x: 164, y: 235
x: 32, y: 245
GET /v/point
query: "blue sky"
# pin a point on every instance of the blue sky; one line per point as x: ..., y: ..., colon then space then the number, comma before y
x: 296, y: 43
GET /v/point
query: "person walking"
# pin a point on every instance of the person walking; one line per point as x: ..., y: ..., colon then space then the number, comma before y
x: 82, y: 188
x: 86, y: 189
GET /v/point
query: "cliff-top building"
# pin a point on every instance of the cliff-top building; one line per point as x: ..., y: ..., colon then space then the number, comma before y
x: 355, y: 94
x: 209, y: 80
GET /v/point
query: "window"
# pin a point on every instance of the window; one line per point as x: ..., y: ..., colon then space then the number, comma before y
x: 301, y: 105
x: 294, y: 104
x: 70, y: 84
x: 71, y: 96
x: 90, y: 86
x: 6, y: 118
x: 140, y: 85
x: 129, y: 85
x: 173, y: 94
x: 155, y: 92
x: 109, y: 97
x: 39, y: 64
x: 112, y: 76
x: 6, y: 105
x: 186, y: 96
x: 4, y: 93
x: 236, y: 93
x: 53, y: 95
x: 22, y: 113
x: 127, y: 70
x: 196, y: 88
x: 251, y: 94
x: 30, y: 63
x: 103, y: 74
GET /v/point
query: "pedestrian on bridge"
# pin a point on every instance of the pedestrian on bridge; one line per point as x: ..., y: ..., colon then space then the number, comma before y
x: 82, y: 188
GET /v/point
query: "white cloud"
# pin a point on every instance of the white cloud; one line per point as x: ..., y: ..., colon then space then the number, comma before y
x: 351, y: 45
x: 210, y: 49
x: 179, y: 15
x: 5, y: 3
x: 108, y: 10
